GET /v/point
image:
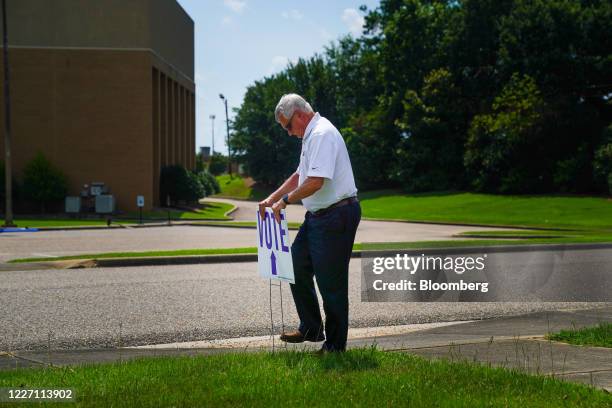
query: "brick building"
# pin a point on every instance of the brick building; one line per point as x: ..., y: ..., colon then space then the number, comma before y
x: 105, y: 89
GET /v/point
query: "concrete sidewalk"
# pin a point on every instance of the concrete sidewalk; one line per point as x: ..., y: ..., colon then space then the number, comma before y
x: 512, y: 342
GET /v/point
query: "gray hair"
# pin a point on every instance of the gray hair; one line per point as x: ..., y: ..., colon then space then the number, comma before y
x: 289, y: 103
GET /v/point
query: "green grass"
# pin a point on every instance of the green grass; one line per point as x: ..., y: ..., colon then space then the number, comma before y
x: 364, y: 377
x: 208, y: 211
x: 235, y: 187
x: 148, y: 254
x: 532, y: 211
x: 600, y: 335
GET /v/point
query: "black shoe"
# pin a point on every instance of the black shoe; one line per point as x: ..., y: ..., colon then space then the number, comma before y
x: 297, y: 337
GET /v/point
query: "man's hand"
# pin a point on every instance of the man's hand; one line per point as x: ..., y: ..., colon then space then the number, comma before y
x: 268, y: 202
x: 276, y: 208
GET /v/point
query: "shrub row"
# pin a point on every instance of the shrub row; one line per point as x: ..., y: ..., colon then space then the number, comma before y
x: 179, y: 184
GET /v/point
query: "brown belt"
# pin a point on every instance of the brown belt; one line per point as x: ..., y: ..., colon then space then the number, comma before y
x: 340, y: 203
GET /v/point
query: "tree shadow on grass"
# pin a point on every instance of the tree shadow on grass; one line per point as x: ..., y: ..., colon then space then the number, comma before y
x: 207, y: 206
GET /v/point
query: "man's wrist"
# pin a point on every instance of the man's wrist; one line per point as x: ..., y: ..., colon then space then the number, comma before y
x: 285, y: 199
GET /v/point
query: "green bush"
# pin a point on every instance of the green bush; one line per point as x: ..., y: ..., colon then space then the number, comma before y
x: 218, y: 164
x: 602, y: 165
x: 43, y: 183
x: 194, y: 189
x: 210, y: 182
x: 180, y: 184
x: 208, y: 188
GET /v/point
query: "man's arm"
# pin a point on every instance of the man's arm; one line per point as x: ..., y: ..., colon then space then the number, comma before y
x: 289, y: 185
x: 310, y: 186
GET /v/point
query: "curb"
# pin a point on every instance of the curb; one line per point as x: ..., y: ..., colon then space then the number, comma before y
x: 190, y: 223
x: 115, y: 225
x: 172, y: 260
x: 499, y: 248
x: 78, y: 228
x: 231, y: 258
x: 141, y: 261
x: 239, y: 258
x: 211, y: 200
x: 101, y: 227
x: 183, y: 260
x: 230, y: 212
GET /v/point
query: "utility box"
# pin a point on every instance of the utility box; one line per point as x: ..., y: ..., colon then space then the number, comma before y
x: 97, y: 188
x: 105, y: 204
x: 73, y: 205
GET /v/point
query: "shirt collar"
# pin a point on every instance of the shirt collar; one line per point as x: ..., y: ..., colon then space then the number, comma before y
x: 311, y: 126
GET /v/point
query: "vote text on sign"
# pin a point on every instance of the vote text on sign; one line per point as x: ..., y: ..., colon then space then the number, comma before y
x: 274, y: 247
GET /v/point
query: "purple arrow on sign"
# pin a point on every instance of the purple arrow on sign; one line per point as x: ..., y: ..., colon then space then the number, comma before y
x: 273, y: 262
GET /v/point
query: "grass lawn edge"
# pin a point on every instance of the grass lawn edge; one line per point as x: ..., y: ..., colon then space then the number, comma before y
x: 359, y: 248
x: 597, y: 336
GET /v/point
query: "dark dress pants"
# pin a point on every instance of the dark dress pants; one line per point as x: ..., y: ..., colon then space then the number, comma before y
x: 322, y: 248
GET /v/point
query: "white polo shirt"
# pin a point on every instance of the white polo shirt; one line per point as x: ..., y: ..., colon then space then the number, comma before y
x: 324, y: 154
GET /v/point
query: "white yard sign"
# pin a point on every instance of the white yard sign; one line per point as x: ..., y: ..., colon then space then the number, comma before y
x: 274, y: 247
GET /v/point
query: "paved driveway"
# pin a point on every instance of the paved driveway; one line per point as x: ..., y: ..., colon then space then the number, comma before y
x: 369, y: 231
x: 61, y: 243
x: 66, y: 242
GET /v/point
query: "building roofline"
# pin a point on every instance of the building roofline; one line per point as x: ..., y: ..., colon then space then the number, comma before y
x: 184, y: 11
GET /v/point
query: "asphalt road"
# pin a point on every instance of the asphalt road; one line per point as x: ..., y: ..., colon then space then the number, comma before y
x: 107, y: 307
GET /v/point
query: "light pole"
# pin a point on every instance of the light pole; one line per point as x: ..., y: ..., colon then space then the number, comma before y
x: 212, y: 117
x: 229, y: 155
x: 8, y: 220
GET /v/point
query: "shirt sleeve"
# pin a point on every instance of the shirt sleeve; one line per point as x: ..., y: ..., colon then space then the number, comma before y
x: 322, y: 154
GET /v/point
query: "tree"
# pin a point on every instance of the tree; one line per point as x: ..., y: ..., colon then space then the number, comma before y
x: 372, y: 154
x: 269, y: 154
x: 562, y: 45
x: 603, y: 162
x: 429, y: 97
x: 504, y: 152
x: 218, y: 164
x: 43, y: 183
x: 430, y: 154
